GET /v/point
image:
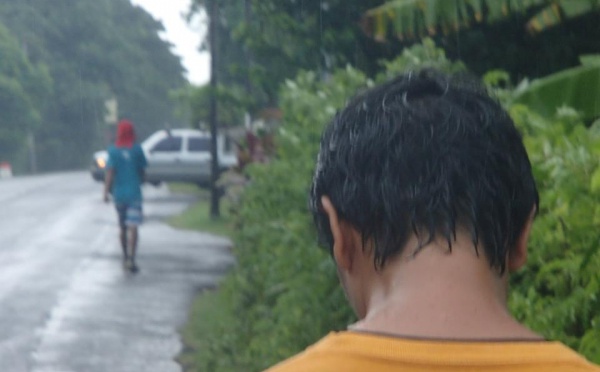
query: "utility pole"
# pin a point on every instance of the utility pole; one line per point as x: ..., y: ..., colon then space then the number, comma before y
x: 32, y: 153
x: 111, y: 117
x: 249, y: 59
x: 214, y: 192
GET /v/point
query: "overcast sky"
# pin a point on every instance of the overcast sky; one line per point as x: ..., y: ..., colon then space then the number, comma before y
x: 184, y: 37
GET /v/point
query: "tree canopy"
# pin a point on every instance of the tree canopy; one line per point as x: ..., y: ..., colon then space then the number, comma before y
x: 92, y: 51
x: 23, y: 86
x: 413, y: 19
x: 260, y: 44
x: 527, y: 38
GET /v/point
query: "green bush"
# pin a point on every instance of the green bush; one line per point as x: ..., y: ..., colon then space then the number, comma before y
x: 283, y: 293
x: 556, y: 294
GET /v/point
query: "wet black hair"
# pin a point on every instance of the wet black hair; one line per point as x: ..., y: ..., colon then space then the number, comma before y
x: 425, y: 153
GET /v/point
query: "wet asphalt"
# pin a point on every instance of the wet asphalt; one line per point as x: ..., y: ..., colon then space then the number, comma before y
x: 66, y: 304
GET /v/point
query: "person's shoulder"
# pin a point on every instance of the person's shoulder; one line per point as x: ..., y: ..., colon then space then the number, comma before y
x: 306, y: 360
x: 572, y: 361
x: 346, y: 351
x: 139, y: 152
x: 585, y: 367
x: 322, y: 356
x: 111, y: 152
x: 137, y: 148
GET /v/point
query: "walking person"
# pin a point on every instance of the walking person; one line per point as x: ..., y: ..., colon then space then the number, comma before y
x: 123, y: 179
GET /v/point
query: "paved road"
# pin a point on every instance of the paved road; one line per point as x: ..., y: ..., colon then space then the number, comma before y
x: 66, y: 305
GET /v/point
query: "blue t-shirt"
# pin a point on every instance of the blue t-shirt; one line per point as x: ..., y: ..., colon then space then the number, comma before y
x: 127, y: 164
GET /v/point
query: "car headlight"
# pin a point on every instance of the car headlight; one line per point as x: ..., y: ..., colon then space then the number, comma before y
x: 101, y: 163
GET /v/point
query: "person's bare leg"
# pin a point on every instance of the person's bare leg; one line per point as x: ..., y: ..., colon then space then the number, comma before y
x: 123, y: 238
x: 133, y: 238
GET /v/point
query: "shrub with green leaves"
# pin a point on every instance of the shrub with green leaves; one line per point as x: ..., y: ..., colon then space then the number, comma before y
x: 556, y: 294
x: 283, y: 293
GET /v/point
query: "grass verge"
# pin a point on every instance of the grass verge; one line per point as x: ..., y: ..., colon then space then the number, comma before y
x: 197, y: 216
x: 208, y: 314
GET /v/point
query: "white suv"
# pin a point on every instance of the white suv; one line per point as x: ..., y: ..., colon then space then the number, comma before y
x: 177, y: 155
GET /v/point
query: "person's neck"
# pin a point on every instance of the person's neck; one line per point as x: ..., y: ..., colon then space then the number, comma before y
x: 441, y: 295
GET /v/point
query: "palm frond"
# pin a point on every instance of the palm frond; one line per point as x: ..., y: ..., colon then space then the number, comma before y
x: 560, y: 10
x: 576, y: 87
x: 413, y: 19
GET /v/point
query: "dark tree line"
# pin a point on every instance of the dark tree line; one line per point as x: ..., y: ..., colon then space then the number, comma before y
x: 263, y: 43
x: 73, y: 57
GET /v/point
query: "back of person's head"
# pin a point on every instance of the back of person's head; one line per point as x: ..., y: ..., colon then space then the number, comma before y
x: 125, y: 134
x: 425, y: 154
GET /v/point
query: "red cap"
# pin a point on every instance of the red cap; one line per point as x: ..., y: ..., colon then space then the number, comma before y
x: 125, y: 134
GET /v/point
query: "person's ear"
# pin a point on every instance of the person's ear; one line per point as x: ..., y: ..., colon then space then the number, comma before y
x: 518, y: 256
x: 343, y: 252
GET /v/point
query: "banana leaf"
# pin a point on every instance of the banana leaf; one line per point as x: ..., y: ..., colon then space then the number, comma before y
x: 590, y: 59
x: 559, y: 10
x: 414, y: 19
x: 577, y: 87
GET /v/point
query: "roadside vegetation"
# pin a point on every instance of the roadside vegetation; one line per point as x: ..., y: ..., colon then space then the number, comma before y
x: 287, y: 66
x: 57, y: 77
x: 283, y: 294
x: 196, y: 216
